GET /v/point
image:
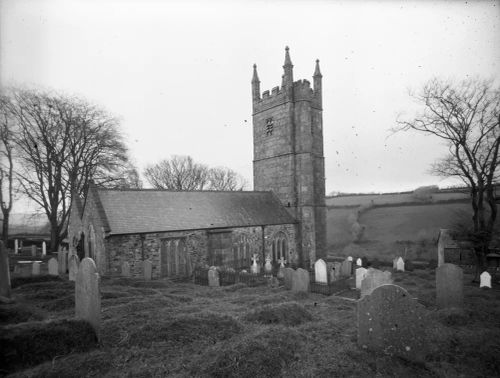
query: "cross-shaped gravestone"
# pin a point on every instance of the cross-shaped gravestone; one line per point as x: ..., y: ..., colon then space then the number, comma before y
x: 282, y: 262
x: 400, y: 265
x: 255, y: 268
x: 268, y: 266
x: 485, y: 278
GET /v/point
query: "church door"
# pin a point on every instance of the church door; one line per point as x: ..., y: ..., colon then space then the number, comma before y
x: 174, y: 258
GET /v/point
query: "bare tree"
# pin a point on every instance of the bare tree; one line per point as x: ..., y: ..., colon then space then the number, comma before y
x: 177, y: 173
x: 466, y: 116
x: 222, y: 178
x: 6, y: 166
x: 183, y: 173
x: 63, y: 143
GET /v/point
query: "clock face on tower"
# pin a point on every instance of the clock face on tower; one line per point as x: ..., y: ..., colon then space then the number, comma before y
x: 269, y: 126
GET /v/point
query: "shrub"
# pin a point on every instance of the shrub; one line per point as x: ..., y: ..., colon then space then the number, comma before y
x: 254, y: 355
x: 289, y: 314
x: 29, y: 344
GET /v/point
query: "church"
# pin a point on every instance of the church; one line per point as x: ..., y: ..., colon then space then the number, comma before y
x: 284, y: 217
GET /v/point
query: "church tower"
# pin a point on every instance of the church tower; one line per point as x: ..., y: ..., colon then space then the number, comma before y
x: 288, y: 154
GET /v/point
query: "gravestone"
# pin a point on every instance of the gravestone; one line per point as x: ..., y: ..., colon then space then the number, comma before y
x: 449, y: 286
x: 282, y: 262
x: 373, y: 279
x: 485, y: 278
x: 16, y: 246
x: 300, y: 281
x: 400, y: 265
x: 268, y: 267
x: 394, y: 263
x: 360, y: 275
x: 73, y: 267
x: 349, y: 258
x: 53, y: 267
x: 87, y: 294
x: 147, y: 267
x: 213, y: 277
x: 445, y: 240
x: 35, y: 268
x: 44, y: 249
x: 33, y: 250
x: 125, y: 269
x: 335, y: 271
x: 389, y: 320
x: 255, y: 268
x: 288, y: 276
x: 320, y: 271
x: 346, y: 268
x: 23, y: 268
x: 359, y: 262
x: 62, y: 260
x: 4, y: 272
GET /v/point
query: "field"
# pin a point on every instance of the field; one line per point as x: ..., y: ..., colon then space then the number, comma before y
x: 161, y: 328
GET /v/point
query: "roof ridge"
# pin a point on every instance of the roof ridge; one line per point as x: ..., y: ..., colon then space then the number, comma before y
x: 181, y: 191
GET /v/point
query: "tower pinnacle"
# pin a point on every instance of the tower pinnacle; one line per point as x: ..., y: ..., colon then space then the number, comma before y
x: 255, y: 78
x: 288, y: 61
x: 317, y: 72
x: 255, y: 84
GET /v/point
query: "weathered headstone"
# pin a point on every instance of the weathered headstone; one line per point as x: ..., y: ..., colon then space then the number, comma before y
x: 125, y: 269
x: 400, y: 264
x: 33, y: 250
x: 73, y: 263
x: 300, y: 280
x: 394, y: 263
x: 349, y: 258
x: 87, y: 294
x: 359, y: 262
x: 268, y: 267
x: 44, y: 249
x: 360, y: 275
x: 346, y: 268
x: 335, y: 271
x: 320, y: 271
x: 62, y: 260
x: 35, y: 268
x: 445, y: 240
x: 147, y: 267
x: 373, y: 279
x: 255, y: 268
x: 392, y: 322
x: 485, y: 278
x: 449, y: 286
x: 16, y: 246
x: 4, y: 272
x: 53, y: 267
x: 288, y: 276
x: 213, y: 277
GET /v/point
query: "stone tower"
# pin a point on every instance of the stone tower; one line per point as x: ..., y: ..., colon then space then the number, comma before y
x: 288, y: 154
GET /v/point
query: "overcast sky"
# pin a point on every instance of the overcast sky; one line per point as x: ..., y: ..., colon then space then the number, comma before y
x: 178, y: 73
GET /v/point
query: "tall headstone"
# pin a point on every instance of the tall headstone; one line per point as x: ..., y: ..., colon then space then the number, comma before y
x: 268, y: 267
x: 346, y: 268
x: 255, y: 268
x: 4, y: 272
x: 213, y: 277
x: 485, y: 278
x: 53, y: 267
x: 125, y: 269
x: 33, y: 250
x: 449, y: 286
x: 44, y: 249
x: 35, y: 268
x: 62, y: 260
x: 147, y: 267
x: 320, y: 271
x: 400, y: 264
x: 288, y: 276
x: 389, y: 320
x: 373, y: 279
x: 300, y: 281
x: 87, y: 294
x: 73, y: 263
x: 360, y: 275
x: 359, y: 262
x: 16, y: 246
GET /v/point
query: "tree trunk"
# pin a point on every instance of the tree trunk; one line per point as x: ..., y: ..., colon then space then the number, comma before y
x: 5, y: 228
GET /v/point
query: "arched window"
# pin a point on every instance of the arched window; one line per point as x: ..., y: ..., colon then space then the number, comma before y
x: 280, y: 247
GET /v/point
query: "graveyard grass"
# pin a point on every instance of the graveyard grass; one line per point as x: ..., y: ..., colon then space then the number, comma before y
x: 160, y: 328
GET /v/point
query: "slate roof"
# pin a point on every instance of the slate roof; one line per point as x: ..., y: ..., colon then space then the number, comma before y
x: 146, y: 211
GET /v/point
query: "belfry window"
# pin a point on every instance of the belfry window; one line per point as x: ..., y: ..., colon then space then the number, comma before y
x: 269, y: 126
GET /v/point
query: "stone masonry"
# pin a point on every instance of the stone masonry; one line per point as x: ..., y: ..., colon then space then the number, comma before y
x: 288, y: 154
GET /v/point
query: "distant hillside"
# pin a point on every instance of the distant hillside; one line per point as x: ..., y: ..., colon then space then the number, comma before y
x: 22, y: 224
